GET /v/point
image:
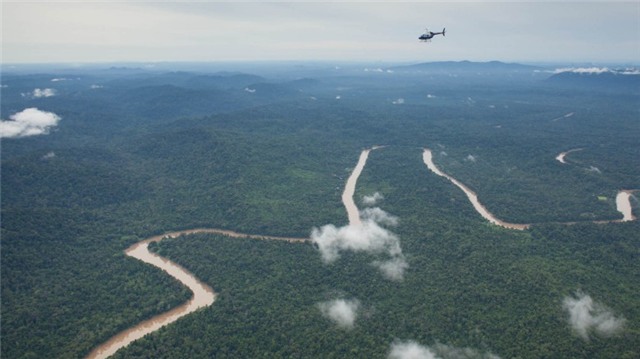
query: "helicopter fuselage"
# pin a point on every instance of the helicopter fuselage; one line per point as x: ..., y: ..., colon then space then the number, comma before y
x: 429, y: 35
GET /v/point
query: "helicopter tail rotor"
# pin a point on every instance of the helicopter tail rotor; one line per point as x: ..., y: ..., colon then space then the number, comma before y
x: 443, y: 29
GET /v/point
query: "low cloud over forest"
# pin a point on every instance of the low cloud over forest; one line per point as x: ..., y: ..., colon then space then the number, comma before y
x: 369, y: 237
x: 588, y: 317
x: 29, y: 122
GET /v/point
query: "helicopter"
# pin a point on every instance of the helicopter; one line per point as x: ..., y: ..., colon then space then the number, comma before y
x: 428, y: 35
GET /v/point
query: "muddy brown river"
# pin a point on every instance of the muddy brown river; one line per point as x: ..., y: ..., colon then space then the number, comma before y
x: 623, y: 203
x: 204, y: 296
x: 350, y: 188
x: 427, y: 157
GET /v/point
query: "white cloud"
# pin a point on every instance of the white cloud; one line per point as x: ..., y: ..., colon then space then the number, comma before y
x: 37, y: 93
x: 410, y: 350
x: 399, y: 101
x: 594, y: 169
x: 93, y: 87
x: 44, y: 92
x: 393, y: 269
x: 413, y: 350
x: 372, y: 199
x: 630, y: 71
x: 341, y: 311
x: 49, y: 155
x: 368, y: 237
x: 586, y: 316
x: 471, y: 158
x: 377, y: 215
x: 450, y: 352
x: 29, y: 122
x: 583, y: 70
x: 250, y: 90
x: 597, y: 70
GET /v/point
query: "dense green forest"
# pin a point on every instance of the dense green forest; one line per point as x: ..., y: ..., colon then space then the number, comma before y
x: 138, y: 153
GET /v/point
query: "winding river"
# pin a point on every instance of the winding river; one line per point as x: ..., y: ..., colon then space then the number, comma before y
x: 427, y: 157
x: 623, y: 199
x: 350, y: 188
x: 204, y: 296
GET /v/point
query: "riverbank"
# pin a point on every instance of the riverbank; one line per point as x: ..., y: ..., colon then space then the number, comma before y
x: 623, y: 198
x: 203, y: 295
x: 427, y: 157
x: 353, y: 213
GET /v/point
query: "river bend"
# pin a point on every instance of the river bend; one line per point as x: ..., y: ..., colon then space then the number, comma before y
x: 623, y: 203
x: 427, y: 157
x: 203, y: 295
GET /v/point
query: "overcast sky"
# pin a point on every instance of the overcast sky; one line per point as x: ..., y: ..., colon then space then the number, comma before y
x: 101, y: 31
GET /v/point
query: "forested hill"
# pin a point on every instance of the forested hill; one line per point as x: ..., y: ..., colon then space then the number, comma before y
x: 96, y: 158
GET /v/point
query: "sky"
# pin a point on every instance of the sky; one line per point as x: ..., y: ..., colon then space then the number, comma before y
x: 75, y: 31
